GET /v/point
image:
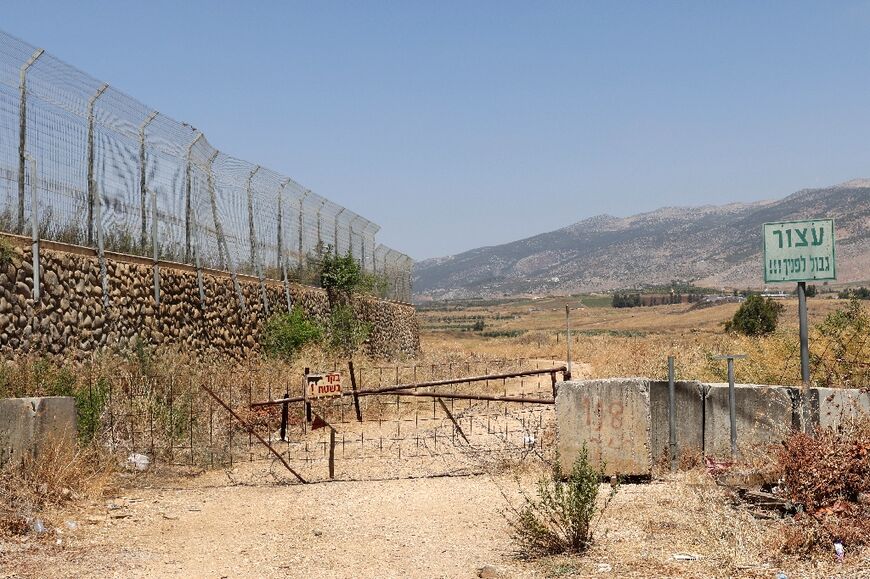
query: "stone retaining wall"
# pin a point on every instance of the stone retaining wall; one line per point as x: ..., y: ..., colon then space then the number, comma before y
x: 71, y: 319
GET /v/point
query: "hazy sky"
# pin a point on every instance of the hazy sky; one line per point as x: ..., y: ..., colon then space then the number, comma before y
x: 460, y: 124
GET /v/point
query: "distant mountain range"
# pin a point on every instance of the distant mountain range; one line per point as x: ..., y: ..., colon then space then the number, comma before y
x: 714, y: 246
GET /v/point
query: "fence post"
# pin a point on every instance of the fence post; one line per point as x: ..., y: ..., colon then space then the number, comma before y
x: 92, y: 183
x: 143, y: 184
x: 672, y: 415
x: 732, y: 407
x: 282, y: 262
x: 568, y: 337
x: 252, y: 239
x: 331, y: 453
x: 188, y: 209
x: 301, y: 211
x: 319, y: 238
x: 101, y: 249
x: 280, y: 253
x: 34, y: 219
x: 198, y: 263
x: 335, y: 232
x: 22, y: 133
x: 732, y: 398
x: 252, y: 234
x: 352, y: 221
x: 155, y: 249
x: 223, y: 251
x: 284, y: 410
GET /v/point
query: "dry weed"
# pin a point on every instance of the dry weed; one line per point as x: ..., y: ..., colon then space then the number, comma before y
x: 60, y: 473
x: 732, y: 536
x: 828, y: 475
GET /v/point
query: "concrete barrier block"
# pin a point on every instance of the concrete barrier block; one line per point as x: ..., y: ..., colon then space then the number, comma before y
x: 765, y: 416
x: 689, y: 406
x: 612, y: 417
x: 831, y: 406
x: 27, y: 425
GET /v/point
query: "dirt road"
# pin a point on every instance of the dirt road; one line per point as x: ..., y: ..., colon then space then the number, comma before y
x: 440, y: 527
x: 434, y: 527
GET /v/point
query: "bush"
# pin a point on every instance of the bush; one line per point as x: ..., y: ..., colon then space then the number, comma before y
x: 285, y: 334
x: 841, y: 348
x: 345, y: 333
x: 561, y: 518
x: 755, y: 317
x: 825, y: 474
x: 340, y: 276
x: 7, y: 251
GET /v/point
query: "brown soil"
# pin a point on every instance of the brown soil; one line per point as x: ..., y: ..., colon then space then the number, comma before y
x: 432, y: 527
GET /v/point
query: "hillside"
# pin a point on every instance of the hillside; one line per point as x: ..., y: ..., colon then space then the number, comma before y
x: 709, y: 245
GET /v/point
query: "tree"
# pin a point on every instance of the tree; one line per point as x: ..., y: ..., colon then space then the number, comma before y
x: 755, y: 317
x: 341, y: 277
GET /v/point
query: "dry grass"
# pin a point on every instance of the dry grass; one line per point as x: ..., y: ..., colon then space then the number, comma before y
x: 59, y: 475
x: 637, y: 341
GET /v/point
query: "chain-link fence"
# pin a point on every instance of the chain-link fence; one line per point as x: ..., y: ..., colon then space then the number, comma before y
x: 83, y: 163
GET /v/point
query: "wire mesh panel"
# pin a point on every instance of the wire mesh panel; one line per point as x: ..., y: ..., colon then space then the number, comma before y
x: 102, y: 164
x: 164, y: 413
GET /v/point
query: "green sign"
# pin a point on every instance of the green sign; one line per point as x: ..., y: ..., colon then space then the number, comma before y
x: 799, y: 251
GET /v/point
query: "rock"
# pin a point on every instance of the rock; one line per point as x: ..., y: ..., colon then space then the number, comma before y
x: 489, y: 572
x: 50, y: 279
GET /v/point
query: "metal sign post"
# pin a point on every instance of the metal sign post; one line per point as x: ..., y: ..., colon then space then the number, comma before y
x: 800, y: 251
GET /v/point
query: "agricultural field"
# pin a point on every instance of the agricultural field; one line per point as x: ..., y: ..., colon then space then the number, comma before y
x: 636, y: 341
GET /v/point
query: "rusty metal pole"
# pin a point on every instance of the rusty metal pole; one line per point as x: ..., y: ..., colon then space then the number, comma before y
x: 354, y: 390
x: 331, y: 453
x: 253, y: 432
x: 285, y: 408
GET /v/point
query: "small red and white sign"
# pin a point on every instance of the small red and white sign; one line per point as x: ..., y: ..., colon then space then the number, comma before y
x: 323, y: 385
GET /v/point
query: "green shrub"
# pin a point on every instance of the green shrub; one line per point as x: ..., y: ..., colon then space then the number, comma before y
x: 341, y: 276
x: 561, y: 518
x: 345, y: 332
x: 90, y: 403
x: 755, y: 317
x: 7, y: 251
x: 285, y: 334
